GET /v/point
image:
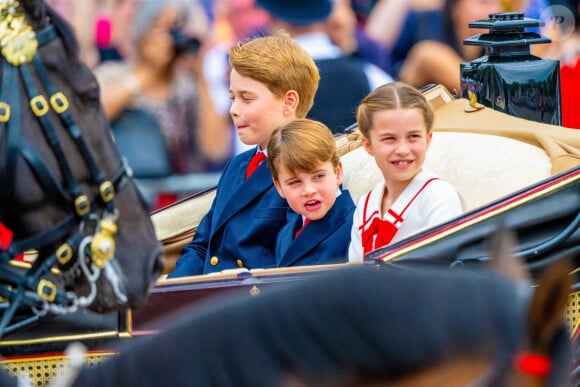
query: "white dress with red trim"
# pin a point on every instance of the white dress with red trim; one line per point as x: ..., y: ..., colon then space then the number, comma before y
x: 427, y: 201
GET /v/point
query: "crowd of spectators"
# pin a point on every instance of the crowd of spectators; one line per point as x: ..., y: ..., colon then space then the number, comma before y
x: 131, y: 46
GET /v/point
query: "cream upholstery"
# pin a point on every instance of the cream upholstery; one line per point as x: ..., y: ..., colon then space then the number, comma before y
x: 482, y: 167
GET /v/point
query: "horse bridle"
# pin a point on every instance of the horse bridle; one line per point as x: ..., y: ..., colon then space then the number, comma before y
x: 88, y: 235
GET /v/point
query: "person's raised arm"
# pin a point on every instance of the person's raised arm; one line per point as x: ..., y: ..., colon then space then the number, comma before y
x: 385, y: 21
x: 119, y: 88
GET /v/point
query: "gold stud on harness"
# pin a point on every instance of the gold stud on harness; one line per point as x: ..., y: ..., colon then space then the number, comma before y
x: 82, y: 205
x: 39, y: 105
x: 107, y: 191
x: 4, y: 112
x: 17, y: 39
x: 46, y: 290
x: 59, y: 102
x: 64, y: 253
x: 103, y: 243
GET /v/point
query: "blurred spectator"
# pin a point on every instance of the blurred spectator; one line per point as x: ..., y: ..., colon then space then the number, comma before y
x: 77, y: 13
x: 112, y: 29
x: 438, y: 61
x: 565, y: 47
x: 113, y: 21
x: 163, y: 78
x: 430, y: 49
x: 341, y: 26
x: 412, y: 21
x: 344, y: 80
x: 409, y: 21
x: 352, y: 37
x: 242, y: 19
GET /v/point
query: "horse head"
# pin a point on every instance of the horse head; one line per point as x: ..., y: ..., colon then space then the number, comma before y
x: 368, y: 325
x: 65, y: 190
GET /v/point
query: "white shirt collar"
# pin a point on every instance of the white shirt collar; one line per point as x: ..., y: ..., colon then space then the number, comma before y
x: 264, y: 151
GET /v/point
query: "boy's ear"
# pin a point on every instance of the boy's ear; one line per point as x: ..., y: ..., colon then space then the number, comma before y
x: 278, y: 188
x: 291, y: 99
x: 339, y: 172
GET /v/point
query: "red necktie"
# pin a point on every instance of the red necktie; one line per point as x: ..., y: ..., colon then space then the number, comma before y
x: 306, y: 220
x: 255, y: 162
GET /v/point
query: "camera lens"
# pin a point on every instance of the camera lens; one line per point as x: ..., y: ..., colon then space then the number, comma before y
x: 183, y: 43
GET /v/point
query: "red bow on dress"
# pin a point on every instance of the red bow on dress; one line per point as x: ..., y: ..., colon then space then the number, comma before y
x: 379, y: 233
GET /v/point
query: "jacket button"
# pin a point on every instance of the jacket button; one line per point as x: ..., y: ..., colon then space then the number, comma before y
x: 214, y: 260
x: 240, y: 263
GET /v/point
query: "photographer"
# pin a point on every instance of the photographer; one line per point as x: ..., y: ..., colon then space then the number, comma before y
x: 162, y: 81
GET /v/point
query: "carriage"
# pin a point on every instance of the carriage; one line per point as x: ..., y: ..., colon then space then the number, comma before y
x: 520, y: 173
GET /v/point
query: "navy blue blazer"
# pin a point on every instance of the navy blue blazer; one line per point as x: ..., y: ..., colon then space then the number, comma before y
x: 241, y: 226
x: 323, y: 241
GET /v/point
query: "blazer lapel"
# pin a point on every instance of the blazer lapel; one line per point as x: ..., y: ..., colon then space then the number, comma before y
x: 286, y: 238
x: 256, y: 184
x: 316, y: 231
x: 312, y: 236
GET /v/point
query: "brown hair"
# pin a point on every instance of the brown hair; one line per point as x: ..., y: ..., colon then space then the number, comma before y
x: 391, y: 96
x: 281, y: 64
x: 301, y: 145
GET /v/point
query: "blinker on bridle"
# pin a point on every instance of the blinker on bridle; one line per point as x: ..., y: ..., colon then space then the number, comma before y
x: 32, y: 286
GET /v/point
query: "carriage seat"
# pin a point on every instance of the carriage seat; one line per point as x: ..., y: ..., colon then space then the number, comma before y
x: 485, y: 154
x: 482, y: 167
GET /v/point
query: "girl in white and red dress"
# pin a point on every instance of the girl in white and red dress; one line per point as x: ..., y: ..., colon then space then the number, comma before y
x: 395, y: 121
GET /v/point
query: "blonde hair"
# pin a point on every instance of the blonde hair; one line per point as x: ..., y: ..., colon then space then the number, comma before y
x: 392, y: 96
x: 301, y: 145
x: 281, y: 64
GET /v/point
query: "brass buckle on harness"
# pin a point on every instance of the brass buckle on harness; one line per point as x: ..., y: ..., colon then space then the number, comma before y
x: 4, y: 112
x: 64, y: 253
x: 59, y: 102
x: 107, y: 191
x: 82, y: 205
x: 39, y: 105
x: 46, y: 290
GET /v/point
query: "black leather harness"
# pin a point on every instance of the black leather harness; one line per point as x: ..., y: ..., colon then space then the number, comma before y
x: 86, y: 236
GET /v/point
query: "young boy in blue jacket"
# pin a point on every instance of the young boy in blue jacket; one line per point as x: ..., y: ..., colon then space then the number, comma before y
x: 307, y: 172
x: 272, y: 82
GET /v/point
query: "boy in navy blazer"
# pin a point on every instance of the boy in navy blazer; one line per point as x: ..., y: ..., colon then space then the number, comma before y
x: 272, y: 82
x: 307, y: 172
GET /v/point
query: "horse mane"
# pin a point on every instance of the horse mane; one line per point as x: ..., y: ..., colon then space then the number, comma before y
x: 361, y: 323
x: 546, y: 303
x: 38, y: 11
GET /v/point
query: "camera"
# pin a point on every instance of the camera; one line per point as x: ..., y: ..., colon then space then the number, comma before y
x: 184, y: 44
